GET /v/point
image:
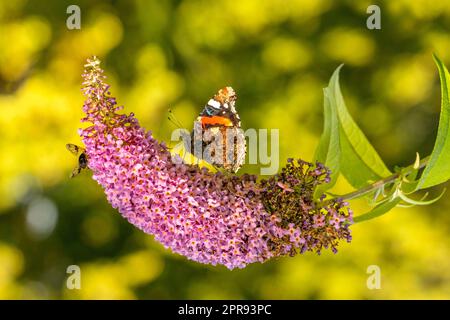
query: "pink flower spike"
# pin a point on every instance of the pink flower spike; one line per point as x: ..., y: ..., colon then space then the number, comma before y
x: 210, y: 218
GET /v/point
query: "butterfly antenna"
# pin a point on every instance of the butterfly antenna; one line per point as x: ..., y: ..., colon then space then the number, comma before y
x: 172, y: 118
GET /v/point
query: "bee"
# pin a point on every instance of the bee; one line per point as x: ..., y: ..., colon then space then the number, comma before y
x: 82, y: 158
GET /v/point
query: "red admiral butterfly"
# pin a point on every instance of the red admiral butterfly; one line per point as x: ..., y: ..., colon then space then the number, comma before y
x: 217, y: 132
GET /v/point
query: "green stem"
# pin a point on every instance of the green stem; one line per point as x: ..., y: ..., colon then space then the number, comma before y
x: 373, y: 186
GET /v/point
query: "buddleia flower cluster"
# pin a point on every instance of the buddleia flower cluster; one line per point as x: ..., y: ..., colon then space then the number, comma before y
x: 212, y: 218
x: 313, y: 225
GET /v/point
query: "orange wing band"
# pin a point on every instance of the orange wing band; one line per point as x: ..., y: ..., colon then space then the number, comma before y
x: 216, y: 120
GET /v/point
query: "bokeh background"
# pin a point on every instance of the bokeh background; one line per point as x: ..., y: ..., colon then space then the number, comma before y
x: 162, y: 54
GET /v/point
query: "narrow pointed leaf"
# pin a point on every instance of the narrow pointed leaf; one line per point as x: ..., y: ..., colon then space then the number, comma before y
x: 420, y: 202
x: 438, y: 169
x: 328, y: 150
x: 360, y: 163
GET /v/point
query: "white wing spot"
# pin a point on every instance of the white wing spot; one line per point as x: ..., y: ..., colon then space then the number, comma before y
x: 225, y: 105
x: 213, y: 103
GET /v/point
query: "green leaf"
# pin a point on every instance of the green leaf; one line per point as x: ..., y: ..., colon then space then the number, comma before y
x: 438, y: 168
x: 410, y: 186
x: 421, y: 202
x: 379, y: 210
x: 360, y: 163
x: 328, y: 150
x: 357, y: 173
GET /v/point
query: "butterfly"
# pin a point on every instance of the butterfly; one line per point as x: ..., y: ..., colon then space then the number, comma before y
x: 82, y: 158
x: 217, y: 136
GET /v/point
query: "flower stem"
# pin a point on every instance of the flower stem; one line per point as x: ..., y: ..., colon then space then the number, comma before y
x: 373, y: 186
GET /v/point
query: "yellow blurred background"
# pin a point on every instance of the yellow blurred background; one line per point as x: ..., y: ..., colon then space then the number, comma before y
x: 278, y: 55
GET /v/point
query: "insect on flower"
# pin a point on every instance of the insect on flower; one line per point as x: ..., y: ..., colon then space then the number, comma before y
x: 217, y: 132
x: 82, y: 158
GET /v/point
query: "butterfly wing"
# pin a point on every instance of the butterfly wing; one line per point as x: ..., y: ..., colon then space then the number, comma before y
x: 220, y: 110
x: 217, y: 129
x: 74, y: 149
